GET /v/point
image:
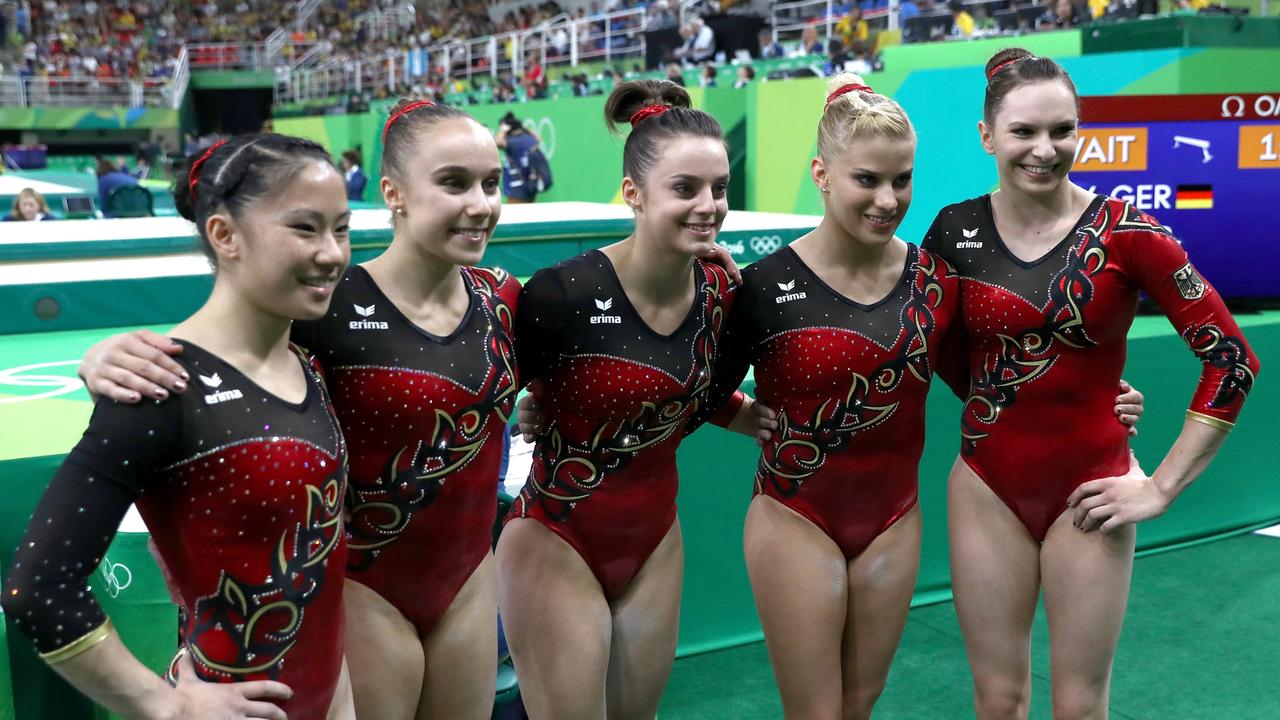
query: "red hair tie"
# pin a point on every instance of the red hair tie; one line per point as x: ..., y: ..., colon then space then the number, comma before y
x: 847, y: 89
x: 1001, y: 66
x: 193, y: 175
x: 403, y: 111
x: 647, y: 112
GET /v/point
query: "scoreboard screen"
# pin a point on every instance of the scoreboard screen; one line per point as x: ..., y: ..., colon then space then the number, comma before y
x: 1207, y: 166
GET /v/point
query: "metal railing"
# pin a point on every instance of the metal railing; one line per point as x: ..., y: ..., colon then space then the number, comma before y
x: 341, y: 79
x: 311, y: 56
x: 306, y: 8
x: 561, y: 40
x: 232, y: 56
x: 791, y: 18
x: 275, y: 42
x: 181, y: 77
x: 387, y: 22
x: 87, y: 92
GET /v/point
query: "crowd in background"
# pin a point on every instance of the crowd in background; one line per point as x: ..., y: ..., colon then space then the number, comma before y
x: 141, y: 39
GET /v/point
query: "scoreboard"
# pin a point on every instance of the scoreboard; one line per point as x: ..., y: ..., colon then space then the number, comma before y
x: 1207, y: 166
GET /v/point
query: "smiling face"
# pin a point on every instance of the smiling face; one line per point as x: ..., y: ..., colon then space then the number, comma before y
x: 1033, y: 137
x: 286, y: 252
x: 868, y: 186
x: 450, y: 196
x: 683, y: 200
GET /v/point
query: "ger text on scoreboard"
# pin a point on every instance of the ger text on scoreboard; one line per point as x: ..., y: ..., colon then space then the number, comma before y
x: 1206, y: 166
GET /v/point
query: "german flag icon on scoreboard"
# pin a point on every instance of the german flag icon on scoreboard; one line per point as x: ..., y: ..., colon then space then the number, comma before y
x: 1194, y: 197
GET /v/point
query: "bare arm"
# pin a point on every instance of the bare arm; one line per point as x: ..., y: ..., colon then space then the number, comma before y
x: 1108, y: 503
x: 109, y: 674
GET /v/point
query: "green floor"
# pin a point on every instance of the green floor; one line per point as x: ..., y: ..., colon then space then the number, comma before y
x: 1201, y: 642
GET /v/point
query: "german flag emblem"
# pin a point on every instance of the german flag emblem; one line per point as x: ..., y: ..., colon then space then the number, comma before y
x: 1194, y: 197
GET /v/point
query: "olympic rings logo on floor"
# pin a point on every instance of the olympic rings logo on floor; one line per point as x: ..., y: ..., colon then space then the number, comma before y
x: 60, y: 384
x: 765, y: 244
x: 115, y: 576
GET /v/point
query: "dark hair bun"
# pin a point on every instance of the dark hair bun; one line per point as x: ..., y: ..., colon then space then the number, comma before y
x: 1007, y: 55
x: 630, y: 96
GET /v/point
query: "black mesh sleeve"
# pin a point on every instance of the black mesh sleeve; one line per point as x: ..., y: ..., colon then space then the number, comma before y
x: 47, y: 593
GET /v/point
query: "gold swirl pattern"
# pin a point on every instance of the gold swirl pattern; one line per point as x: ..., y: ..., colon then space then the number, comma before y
x: 566, y: 473
x: 382, y: 508
x: 1025, y: 358
x: 800, y: 449
x: 235, y: 609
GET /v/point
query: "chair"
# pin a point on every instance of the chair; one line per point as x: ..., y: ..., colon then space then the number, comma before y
x: 129, y: 201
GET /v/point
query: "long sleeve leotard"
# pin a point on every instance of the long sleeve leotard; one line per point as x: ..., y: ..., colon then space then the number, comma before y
x: 1047, y: 345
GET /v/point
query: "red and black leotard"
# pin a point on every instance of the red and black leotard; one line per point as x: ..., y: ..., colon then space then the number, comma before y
x: 242, y: 494
x: 848, y: 382
x: 424, y: 417
x: 616, y: 397
x: 1047, y: 345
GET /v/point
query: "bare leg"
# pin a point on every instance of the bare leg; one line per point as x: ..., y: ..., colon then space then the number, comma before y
x: 646, y: 618
x: 557, y: 622
x: 384, y: 656
x: 995, y: 575
x: 800, y: 581
x: 342, y: 707
x: 881, y: 581
x: 462, y: 653
x: 1086, y: 587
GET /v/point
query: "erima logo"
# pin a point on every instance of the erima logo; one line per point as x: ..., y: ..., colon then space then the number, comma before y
x: 365, y: 312
x: 969, y: 243
x: 603, y: 306
x: 214, y: 381
x: 788, y: 296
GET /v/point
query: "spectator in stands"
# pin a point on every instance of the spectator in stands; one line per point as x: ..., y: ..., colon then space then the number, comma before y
x: 660, y: 17
x: 700, y: 42
x: 534, y: 80
x: 861, y: 63
x: 674, y: 74
x: 356, y: 179
x: 962, y: 23
x: 907, y: 9
x: 852, y: 27
x: 110, y: 177
x: 746, y: 74
x: 836, y: 58
x: 809, y: 42
x: 707, y: 77
x: 984, y: 24
x: 29, y: 205
x: 560, y: 41
x: 769, y: 48
x: 1062, y: 14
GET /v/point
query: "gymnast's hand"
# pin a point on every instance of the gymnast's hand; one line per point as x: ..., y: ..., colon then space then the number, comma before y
x: 1107, y: 503
x: 766, y: 423
x: 529, y: 417
x: 1129, y: 407
x: 721, y: 256
x: 127, y: 366
x: 202, y: 700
